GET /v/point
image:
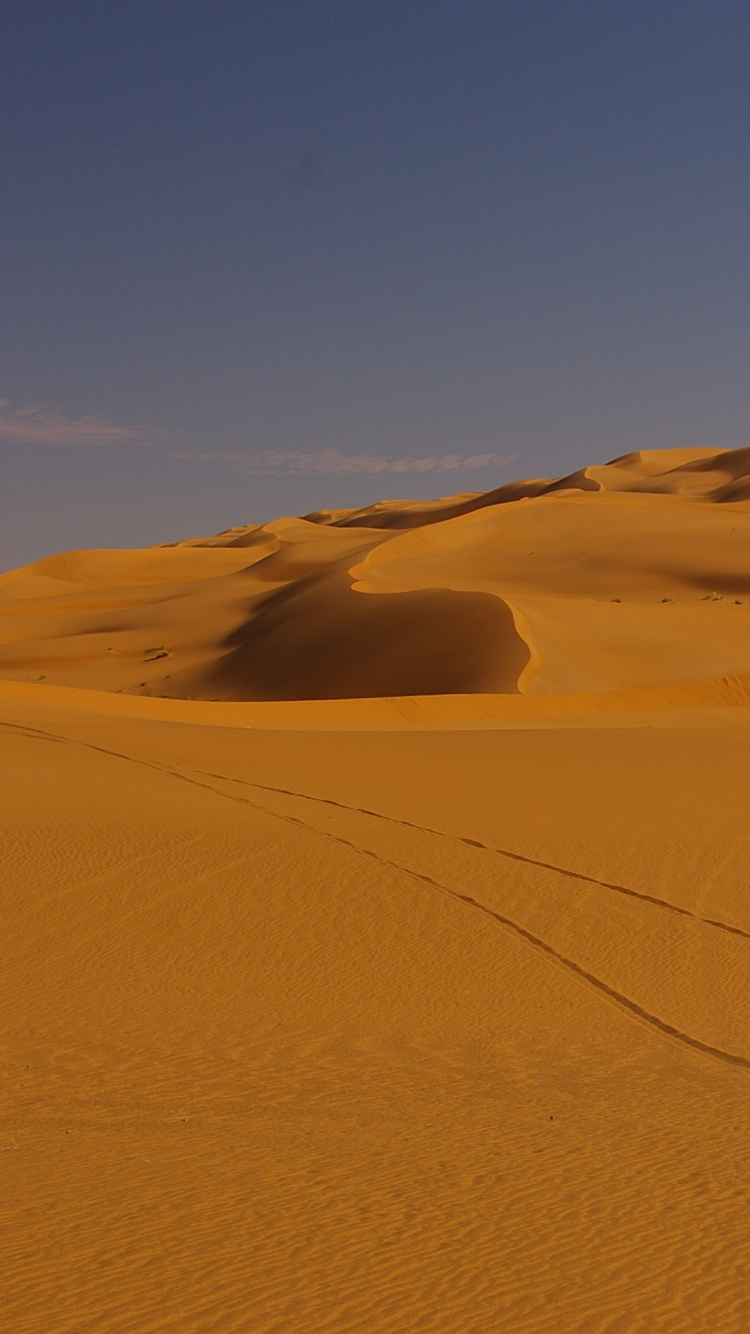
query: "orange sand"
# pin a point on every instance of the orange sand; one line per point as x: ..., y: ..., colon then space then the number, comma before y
x: 398, y: 979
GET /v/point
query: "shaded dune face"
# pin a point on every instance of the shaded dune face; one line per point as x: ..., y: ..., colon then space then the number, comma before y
x: 319, y: 639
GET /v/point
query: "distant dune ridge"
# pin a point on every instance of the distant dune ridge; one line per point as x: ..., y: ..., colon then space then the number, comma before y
x: 631, y: 574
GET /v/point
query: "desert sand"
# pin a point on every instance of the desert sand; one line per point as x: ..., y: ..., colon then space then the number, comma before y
x: 376, y: 918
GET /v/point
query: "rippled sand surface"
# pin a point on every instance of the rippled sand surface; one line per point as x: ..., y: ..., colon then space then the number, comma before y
x: 398, y: 984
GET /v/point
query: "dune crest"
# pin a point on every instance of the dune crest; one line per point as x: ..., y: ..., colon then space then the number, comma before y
x: 631, y: 574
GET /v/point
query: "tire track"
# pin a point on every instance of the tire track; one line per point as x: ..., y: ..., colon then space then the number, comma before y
x: 536, y: 942
x: 514, y: 928
x: 498, y: 852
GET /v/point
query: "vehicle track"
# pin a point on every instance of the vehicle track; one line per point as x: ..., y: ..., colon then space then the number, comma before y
x: 535, y: 942
x: 498, y: 852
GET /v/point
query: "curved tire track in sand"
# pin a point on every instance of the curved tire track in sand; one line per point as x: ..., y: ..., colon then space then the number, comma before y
x: 498, y: 852
x: 535, y: 942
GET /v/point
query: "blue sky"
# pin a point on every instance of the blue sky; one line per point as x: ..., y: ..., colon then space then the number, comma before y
x: 258, y: 258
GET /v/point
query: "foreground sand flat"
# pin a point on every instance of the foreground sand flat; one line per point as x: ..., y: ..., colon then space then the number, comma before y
x: 418, y: 1012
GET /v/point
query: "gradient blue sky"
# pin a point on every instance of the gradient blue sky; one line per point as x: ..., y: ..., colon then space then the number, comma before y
x: 259, y: 258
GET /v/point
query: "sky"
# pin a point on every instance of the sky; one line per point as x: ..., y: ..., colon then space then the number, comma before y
x: 262, y: 258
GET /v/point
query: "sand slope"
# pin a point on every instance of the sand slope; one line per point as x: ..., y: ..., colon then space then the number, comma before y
x: 632, y: 574
x: 427, y: 1011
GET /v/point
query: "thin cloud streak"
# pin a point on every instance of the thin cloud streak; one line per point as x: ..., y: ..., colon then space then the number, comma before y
x: 331, y: 462
x: 38, y: 424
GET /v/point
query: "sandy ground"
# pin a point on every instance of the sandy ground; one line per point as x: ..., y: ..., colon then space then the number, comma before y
x: 423, y: 1011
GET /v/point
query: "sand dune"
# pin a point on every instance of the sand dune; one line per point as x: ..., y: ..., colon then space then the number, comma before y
x: 376, y: 932
x: 632, y: 574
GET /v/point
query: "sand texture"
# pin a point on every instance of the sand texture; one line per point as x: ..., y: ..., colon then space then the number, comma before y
x: 376, y: 919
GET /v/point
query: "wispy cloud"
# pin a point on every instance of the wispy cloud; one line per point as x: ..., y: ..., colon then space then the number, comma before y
x: 325, y: 462
x: 38, y: 424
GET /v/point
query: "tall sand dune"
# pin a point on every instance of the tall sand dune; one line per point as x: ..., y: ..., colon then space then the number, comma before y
x: 632, y: 574
x: 376, y: 921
